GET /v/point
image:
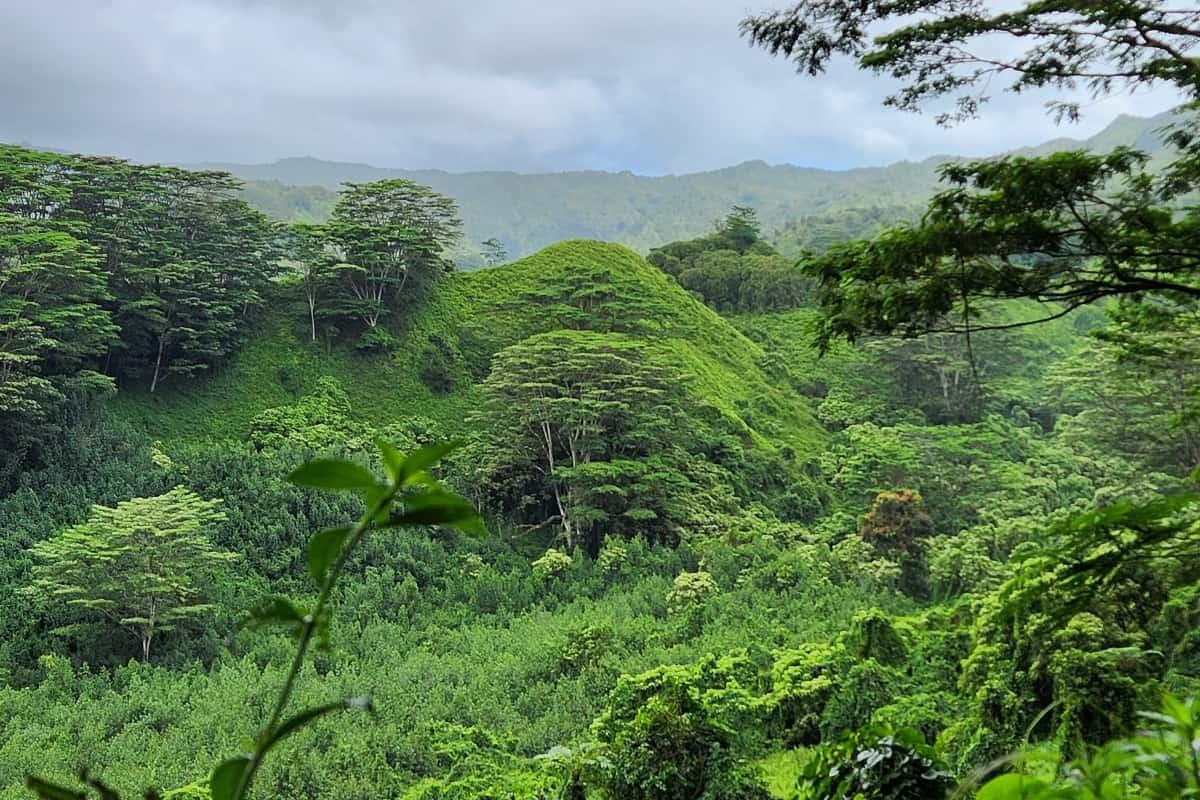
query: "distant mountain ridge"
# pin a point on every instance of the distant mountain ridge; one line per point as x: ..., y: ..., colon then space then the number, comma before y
x: 529, y: 211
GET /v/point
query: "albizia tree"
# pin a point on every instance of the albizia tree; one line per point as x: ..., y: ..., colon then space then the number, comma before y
x: 1065, y: 229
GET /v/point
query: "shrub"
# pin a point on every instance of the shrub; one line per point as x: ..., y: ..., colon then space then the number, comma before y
x: 376, y: 340
x: 872, y: 635
x: 585, y: 648
x: 612, y: 556
x: 553, y: 562
x: 875, y: 764
x: 437, y: 365
x: 690, y: 590
x: 662, y: 742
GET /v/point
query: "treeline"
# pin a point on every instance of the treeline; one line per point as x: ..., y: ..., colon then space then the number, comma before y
x: 112, y: 272
x: 384, y: 243
x: 734, y: 269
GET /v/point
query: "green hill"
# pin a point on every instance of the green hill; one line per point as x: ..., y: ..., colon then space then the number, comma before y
x: 476, y: 314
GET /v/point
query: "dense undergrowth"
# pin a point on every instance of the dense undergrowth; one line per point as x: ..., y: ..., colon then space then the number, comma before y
x: 870, y: 506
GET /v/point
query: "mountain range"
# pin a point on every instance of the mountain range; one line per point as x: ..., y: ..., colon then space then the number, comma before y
x: 529, y: 211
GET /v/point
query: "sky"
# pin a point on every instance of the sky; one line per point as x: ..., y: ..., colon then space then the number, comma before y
x: 650, y: 86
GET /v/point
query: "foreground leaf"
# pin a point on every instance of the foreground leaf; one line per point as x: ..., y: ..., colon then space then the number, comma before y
x: 305, y: 717
x: 323, y: 549
x: 52, y: 791
x: 227, y: 777
x: 277, y: 611
x: 420, y: 460
x: 437, y: 508
x: 331, y: 473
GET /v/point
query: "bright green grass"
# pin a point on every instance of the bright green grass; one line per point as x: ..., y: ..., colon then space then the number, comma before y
x: 480, y: 311
x: 781, y: 770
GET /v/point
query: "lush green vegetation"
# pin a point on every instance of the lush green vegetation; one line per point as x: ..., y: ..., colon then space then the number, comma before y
x: 706, y: 532
x: 800, y: 208
x: 794, y: 519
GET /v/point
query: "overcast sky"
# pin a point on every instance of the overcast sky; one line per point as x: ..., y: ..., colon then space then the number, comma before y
x: 652, y: 86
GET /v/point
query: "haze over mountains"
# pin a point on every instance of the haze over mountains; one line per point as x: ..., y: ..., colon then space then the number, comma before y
x: 529, y: 211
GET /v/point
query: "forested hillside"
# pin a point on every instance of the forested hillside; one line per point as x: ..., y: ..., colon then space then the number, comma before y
x: 527, y: 212
x: 291, y: 506
x: 697, y: 526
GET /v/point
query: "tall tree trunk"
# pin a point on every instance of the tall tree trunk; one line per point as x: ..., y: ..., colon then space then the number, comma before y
x: 162, y: 341
x: 568, y: 525
x: 148, y: 632
x: 312, y: 315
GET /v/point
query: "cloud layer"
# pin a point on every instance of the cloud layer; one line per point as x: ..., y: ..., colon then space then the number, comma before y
x: 528, y: 85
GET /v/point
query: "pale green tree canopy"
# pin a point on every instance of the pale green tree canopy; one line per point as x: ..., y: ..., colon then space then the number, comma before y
x: 142, y: 565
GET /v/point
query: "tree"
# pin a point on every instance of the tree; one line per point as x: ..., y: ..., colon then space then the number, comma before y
x: 142, y: 565
x: 188, y: 262
x: 494, y: 251
x: 1068, y: 229
x: 595, y: 297
x: 897, y: 526
x: 1135, y: 390
x: 183, y: 260
x: 740, y: 228
x: 1106, y: 46
x: 390, y: 232
x: 310, y: 256
x: 52, y: 325
x: 662, y: 737
x: 733, y: 269
x: 580, y: 432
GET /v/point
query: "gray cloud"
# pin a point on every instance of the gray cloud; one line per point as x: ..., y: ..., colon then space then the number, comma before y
x: 649, y: 85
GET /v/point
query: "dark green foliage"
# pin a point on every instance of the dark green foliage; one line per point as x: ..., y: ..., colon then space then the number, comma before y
x: 733, y: 269
x: 1135, y: 390
x: 975, y: 240
x: 582, y: 431
x: 1159, y: 764
x: 109, y: 267
x: 759, y: 584
x: 53, y: 325
x: 660, y: 741
x: 437, y: 365
x: 864, y: 688
x: 409, y: 497
x: 1060, y: 46
x: 875, y: 764
x: 142, y: 565
x: 391, y: 236
x: 1070, y: 228
x: 873, y: 635
x: 1067, y: 631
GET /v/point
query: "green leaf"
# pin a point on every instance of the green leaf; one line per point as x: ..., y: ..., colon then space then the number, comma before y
x: 277, y: 611
x: 227, y: 777
x: 1012, y: 786
x: 105, y: 791
x: 332, y: 473
x: 323, y: 548
x: 437, y: 508
x: 421, y: 460
x: 373, y: 497
x: 393, y: 459
x: 305, y: 717
x: 51, y: 791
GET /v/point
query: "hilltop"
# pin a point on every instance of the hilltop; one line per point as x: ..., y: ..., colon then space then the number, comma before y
x: 476, y: 314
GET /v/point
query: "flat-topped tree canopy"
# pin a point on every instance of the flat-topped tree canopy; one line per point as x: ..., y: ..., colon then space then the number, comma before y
x: 1065, y: 229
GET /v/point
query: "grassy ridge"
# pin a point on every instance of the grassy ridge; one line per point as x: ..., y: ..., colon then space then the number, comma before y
x: 477, y: 314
